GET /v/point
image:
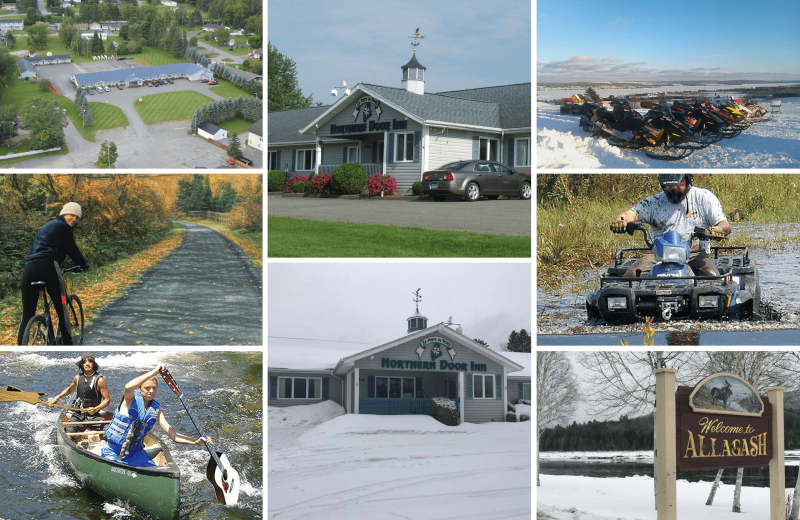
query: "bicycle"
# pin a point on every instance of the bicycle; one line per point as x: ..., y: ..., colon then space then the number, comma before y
x: 40, y: 331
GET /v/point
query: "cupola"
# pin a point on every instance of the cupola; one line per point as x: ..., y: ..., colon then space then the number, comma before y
x: 417, y: 321
x: 414, y: 76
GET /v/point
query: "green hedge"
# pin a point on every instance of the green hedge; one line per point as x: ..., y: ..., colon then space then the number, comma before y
x: 349, y: 179
x: 276, y: 180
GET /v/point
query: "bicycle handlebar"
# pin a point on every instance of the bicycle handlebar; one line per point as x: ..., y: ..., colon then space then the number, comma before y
x: 76, y: 269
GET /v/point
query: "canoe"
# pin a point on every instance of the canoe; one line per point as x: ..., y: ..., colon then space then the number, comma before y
x: 151, y: 490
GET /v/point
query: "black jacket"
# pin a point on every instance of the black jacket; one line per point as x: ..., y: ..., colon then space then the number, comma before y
x: 54, y: 242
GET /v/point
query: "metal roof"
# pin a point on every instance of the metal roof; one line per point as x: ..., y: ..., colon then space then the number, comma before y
x: 137, y: 73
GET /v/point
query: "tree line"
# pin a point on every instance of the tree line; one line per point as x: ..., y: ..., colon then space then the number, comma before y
x: 195, y: 194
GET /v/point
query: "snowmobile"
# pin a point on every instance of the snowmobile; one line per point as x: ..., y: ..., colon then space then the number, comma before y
x: 707, y: 127
x: 658, y: 129
x: 671, y: 290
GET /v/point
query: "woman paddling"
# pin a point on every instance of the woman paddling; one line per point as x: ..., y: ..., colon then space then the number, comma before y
x: 91, y: 392
x: 136, y: 415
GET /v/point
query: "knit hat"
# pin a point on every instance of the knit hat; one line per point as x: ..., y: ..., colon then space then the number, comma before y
x: 71, y: 208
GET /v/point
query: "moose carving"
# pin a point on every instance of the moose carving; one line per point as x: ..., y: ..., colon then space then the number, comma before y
x: 721, y: 394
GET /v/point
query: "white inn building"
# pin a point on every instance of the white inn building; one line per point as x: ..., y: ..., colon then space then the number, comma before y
x: 405, y: 131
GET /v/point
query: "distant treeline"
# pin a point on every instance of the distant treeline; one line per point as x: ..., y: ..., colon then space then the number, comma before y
x: 636, y: 434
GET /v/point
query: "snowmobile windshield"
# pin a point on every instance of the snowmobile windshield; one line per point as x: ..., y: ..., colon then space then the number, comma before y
x: 665, y: 108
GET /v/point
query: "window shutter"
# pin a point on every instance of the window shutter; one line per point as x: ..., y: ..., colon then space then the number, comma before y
x: 468, y: 385
x: 326, y: 391
x: 374, y: 152
x: 273, y: 387
x: 278, y: 160
x: 420, y: 387
x: 390, y: 149
x: 417, y: 142
x: 520, y: 392
x: 322, y: 157
x: 371, y: 386
x: 344, y: 154
x: 498, y: 386
x: 510, y: 152
x: 294, y: 160
x: 476, y: 147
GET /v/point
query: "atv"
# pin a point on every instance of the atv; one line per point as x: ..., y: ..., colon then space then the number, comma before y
x: 671, y: 290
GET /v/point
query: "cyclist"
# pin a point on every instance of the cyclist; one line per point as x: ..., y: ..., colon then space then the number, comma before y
x: 53, y: 243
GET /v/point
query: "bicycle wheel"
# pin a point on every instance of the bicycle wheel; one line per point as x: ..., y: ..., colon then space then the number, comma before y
x: 37, y: 331
x: 76, y: 318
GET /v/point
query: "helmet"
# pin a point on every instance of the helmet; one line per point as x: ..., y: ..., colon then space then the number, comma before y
x: 673, y: 179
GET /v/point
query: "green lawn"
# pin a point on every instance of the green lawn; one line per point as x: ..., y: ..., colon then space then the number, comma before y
x: 290, y: 237
x: 238, y: 125
x: 104, y: 116
x: 151, y: 56
x: 170, y: 106
x: 227, y: 89
x: 7, y: 162
x: 237, y: 51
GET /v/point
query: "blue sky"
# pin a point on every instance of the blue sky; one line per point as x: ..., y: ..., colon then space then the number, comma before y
x: 629, y: 40
x: 468, y: 43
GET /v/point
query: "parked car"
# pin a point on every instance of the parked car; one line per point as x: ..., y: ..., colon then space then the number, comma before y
x: 213, y: 82
x: 148, y: 83
x: 204, y: 80
x: 170, y: 81
x: 99, y: 89
x: 247, y: 161
x: 90, y: 91
x: 120, y: 87
x: 472, y: 179
x: 106, y: 88
x: 156, y: 83
x: 120, y: 58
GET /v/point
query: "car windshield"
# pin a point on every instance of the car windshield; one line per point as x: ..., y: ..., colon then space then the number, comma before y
x: 454, y: 165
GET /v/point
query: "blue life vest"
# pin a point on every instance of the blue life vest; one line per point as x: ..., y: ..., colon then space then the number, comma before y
x: 128, y: 431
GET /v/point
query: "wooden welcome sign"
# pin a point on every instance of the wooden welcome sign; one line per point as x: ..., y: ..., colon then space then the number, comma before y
x: 722, y: 423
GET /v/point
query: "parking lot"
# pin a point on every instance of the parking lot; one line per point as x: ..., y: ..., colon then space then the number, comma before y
x: 165, y: 145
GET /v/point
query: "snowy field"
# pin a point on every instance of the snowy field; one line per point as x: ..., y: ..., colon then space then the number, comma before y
x: 582, y: 498
x: 325, y: 464
x: 772, y: 144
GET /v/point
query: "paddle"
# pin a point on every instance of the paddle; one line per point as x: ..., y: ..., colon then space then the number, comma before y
x: 219, y: 471
x: 12, y: 393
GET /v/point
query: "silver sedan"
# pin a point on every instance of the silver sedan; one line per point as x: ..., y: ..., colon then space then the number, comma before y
x: 472, y: 179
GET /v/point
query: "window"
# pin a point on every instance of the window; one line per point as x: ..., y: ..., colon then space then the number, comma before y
x: 526, y: 390
x: 395, y: 387
x: 273, y: 160
x: 522, y: 152
x: 404, y: 147
x: 306, y: 159
x: 488, y: 149
x: 483, y: 386
x: 299, y: 388
x: 352, y: 154
x: 450, y: 388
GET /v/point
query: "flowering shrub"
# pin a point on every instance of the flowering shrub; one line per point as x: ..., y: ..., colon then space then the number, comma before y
x: 320, y: 183
x: 381, y: 183
x: 294, y: 179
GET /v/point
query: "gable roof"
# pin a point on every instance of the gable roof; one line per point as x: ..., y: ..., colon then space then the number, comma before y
x: 257, y: 128
x: 345, y: 364
x: 211, y: 128
x: 284, y: 125
x: 514, y: 102
x: 38, y: 59
x: 138, y: 73
x: 25, y: 66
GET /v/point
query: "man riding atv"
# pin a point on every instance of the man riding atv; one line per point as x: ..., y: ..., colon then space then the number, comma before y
x: 680, y: 207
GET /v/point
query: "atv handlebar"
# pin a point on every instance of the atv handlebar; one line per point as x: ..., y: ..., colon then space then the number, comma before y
x: 632, y: 227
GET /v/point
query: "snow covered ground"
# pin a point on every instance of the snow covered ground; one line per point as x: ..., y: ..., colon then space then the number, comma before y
x: 582, y: 498
x: 772, y: 144
x: 325, y: 464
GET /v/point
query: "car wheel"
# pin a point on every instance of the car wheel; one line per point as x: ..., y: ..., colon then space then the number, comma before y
x: 472, y: 193
x: 525, y: 191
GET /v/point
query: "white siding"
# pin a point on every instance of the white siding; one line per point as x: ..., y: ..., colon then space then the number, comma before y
x: 447, y: 145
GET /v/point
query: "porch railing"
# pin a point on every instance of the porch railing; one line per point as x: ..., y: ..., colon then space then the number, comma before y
x: 372, y: 168
x: 407, y: 406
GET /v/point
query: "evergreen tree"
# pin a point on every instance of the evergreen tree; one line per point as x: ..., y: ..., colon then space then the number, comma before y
x: 519, y: 341
x: 234, y: 149
x: 97, y: 44
x: 184, y: 194
x: 226, y: 197
x: 193, y: 126
x: 283, y: 89
x: 87, y: 116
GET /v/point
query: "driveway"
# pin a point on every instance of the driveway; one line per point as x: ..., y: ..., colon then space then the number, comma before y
x: 489, y: 217
x: 205, y: 292
x: 163, y: 145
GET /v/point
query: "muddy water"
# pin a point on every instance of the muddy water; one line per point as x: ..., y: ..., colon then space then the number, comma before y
x: 561, y: 314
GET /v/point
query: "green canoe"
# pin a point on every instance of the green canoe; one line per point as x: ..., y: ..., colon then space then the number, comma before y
x: 151, y: 490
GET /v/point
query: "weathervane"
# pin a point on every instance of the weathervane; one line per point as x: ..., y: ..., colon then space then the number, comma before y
x: 416, y: 37
x: 417, y: 297
x: 343, y: 87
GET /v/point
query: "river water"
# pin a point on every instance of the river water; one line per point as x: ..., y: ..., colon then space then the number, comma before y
x: 562, y: 316
x: 223, y: 389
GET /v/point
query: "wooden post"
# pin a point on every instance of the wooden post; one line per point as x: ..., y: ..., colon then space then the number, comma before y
x: 666, y: 495
x: 777, y: 466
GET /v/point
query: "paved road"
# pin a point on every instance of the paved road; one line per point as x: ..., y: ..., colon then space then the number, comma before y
x: 205, y: 292
x: 492, y: 217
x: 140, y: 146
